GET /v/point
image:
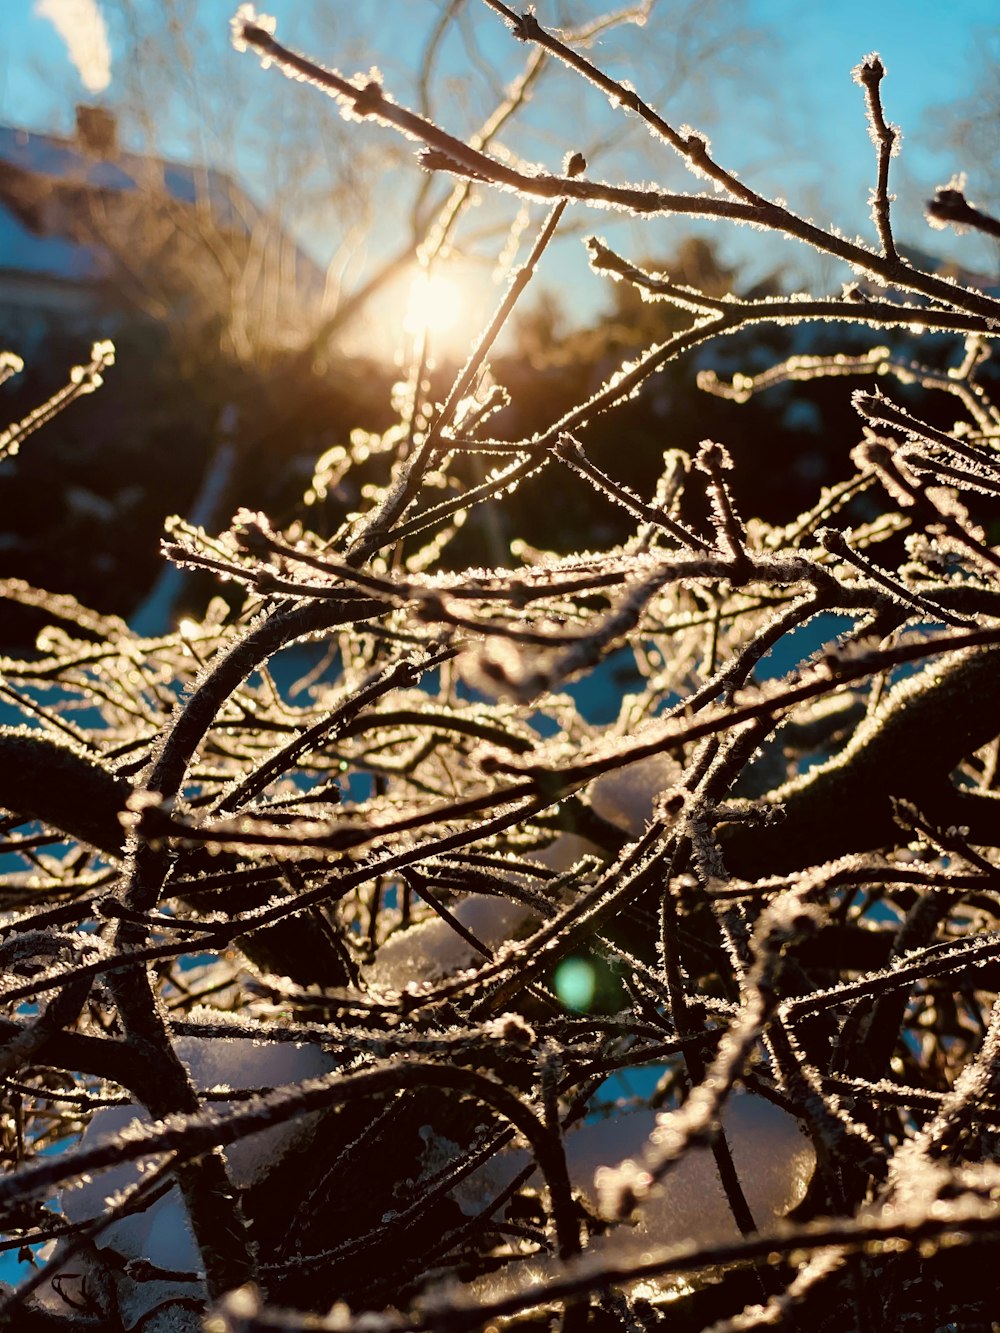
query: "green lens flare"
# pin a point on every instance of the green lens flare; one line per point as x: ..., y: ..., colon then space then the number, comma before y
x: 575, y: 982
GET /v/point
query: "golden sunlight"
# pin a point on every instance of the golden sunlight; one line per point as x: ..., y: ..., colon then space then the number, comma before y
x: 434, y: 305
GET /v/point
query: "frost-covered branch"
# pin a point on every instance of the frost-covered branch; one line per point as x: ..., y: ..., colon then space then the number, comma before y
x: 338, y: 911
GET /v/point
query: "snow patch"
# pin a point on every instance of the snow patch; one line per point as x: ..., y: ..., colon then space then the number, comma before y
x: 161, y: 1233
x: 433, y: 949
x: 774, y: 1161
x: 626, y: 796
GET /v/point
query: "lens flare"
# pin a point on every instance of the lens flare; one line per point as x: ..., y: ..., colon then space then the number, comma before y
x: 575, y: 983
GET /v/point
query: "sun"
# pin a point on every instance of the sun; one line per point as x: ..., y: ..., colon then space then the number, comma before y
x: 434, y: 306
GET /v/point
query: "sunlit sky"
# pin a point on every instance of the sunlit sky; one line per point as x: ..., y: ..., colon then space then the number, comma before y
x: 787, y: 116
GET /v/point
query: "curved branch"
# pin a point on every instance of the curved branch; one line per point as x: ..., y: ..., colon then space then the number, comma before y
x: 368, y: 100
x: 63, y: 786
x: 928, y: 723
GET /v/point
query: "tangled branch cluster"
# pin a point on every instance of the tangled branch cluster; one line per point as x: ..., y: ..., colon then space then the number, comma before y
x: 313, y: 958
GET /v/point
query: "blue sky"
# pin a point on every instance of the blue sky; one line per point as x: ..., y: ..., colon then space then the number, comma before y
x: 787, y: 115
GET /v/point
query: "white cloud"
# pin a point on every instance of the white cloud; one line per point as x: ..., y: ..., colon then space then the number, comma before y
x: 81, y: 25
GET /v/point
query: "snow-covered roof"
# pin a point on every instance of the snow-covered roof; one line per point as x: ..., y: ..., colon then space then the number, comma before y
x: 24, y: 251
x: 65, y: 160
x: 43, y: 248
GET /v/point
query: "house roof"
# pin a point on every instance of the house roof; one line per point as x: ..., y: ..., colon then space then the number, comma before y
x: 25, y: 251
x: 34, y: 244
